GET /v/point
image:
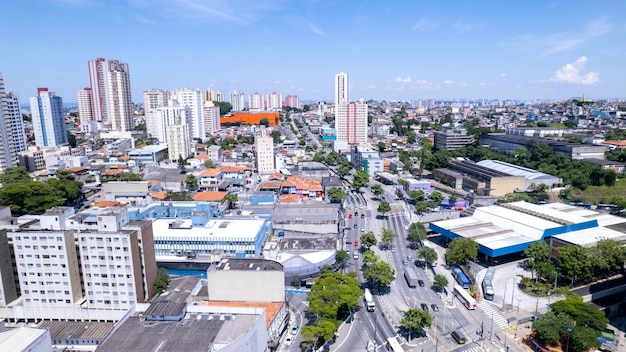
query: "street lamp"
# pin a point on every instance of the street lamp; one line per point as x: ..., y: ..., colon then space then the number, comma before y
x: 569, y: 333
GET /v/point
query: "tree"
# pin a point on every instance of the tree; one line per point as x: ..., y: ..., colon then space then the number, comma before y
x: 333, y: 158
x: 209, y: 164
x: 428, y: 254
x: 161, y: 281
x: 265, y: 122
x: 384, y: 207
x: 69, y: 190
x: 417, y: 232
x: 536, y: 253
x: 344, y: 170
x: 368, y: 240
x: 65, y: 175
x: 369, y: 258
x: 377, y: 189
x: 582, y: 313
x: 551, y: 326
x: 181, y: 163
x: 14, y: 175
x: 435, y: 197
x: 440, y: 281
x: 334, y: 295
x: 461, y: 249
x: 232, y: 199
x: 336, y: 194
x: 317, y: 334
x: 71, y: 139
x: 360, y: 180
x: 29, y: 197
x: 381, y: 146
x: 574, y: 261
x: 415, y: 319
x: 225, y: 107
x: 379, y: 274
x: 607, y: 256
x: 275, y: 136
x: 583, y: 338
x: 341, y: 259
x: 191, y: 181
x: 387, y: 236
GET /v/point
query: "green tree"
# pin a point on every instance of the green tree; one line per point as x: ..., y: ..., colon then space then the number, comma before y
x: 179, y: 196
x: 69, y: 190
x: 538, y: 252
x: 264, y: 122
x: 341, y: 259
x: 336, y: 194
x: 380, y: 274
x: 65, y: 175
x: 369, y: 258
x: 14, y: 175
x: 415, y: 320
x: 275, y: 136
x: 319, y: 157
x: 29, y: 197
x: 582, y: 313
x: 435, y: 197
x: 417, y: 232
x: 317, y: 334
x: 417, y: 195
x: 377, y: 189
x: 384, y: 207
x: 333, y: 158
x: 129, y: 176
x: 574, y: 262
x: 551, y: 326
x: 209, y: 164
x: 191, y: 181
x: 368, y: 240
x: 161, y: 281
x: 181, y: 163
x: 440, y: 281
x: 607, y: 256
x: 344, y: 170
x: 461, y: 249
x: 232, y: 199
x: 381, y: 146
x: 71, y: 139
x: 334, y: 295
x: 421, y: 207
x: 360, y: 180
x: 387, y: 236
x: 326, y: 268
x: 225, y: 107
x: 583, y: 339
x: 428, y: 254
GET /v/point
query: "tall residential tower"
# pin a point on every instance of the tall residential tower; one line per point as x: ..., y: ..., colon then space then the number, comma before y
x: 12, y: 137
x: 342, y: 86
x: 48, y: 119
x: 111, y: 94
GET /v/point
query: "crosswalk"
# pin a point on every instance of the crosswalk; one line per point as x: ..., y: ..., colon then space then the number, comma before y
x: 474, y: 349
x: 494, y: 314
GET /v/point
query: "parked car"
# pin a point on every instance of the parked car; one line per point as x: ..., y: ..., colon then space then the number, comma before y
x: 362, y: 229
x: 288, y: 341
x: 294, y: 330
x: 424, y: 306
x: 362, y: 216
x: 434, y: 307
x: 420, y: 282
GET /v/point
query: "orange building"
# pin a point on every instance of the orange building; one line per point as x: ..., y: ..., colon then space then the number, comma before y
x: 250, y: 118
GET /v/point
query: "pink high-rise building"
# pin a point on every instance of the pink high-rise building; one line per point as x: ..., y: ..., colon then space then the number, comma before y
x: 292, y: 101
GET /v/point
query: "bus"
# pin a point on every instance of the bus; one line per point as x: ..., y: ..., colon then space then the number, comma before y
x: 410, y: 277
x: 460, y: 277
x: 464, y: 297
x: 488, y: 284
x: 394, y: 345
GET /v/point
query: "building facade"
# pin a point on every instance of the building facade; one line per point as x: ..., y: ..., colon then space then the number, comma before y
x: 211, y: 115
x: 452, y: 138
x: 12, y: 136
x: 192, y: 99
x: 237, y: 101
x: 342, y: 87
x: 351, y: 122
x: 264, y: 150
x: 48, y: 119
x: 111, y: 93
x: 292, y: 101
x: 85, y: 108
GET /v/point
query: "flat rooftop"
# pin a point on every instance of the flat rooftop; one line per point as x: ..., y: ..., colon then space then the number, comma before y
x: 80, y: 330
x: 250, y: 264
x: 179, y: 289
x: 240, y: 229
x: 19, y: 339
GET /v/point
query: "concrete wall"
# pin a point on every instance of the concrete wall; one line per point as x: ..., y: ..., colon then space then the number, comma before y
x: 501, y: 186
x: 242, y: 285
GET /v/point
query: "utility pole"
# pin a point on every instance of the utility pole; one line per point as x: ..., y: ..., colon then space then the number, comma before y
x: 506, y: 284
x: 491, y: 327
x: 513, y: 293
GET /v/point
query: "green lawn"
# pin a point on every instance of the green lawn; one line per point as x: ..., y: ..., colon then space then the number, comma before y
x: 600, y: 194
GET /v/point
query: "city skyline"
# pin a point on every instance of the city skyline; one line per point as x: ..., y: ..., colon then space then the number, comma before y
x: 392, y: 51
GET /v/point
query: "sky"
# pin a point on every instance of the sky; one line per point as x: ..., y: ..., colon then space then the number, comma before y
x: 391, y: 50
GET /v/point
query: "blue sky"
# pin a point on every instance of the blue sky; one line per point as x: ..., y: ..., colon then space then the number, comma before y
x: 392, y: 50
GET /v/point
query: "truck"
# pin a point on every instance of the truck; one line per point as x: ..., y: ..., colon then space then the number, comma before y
x: 369, y: 301
x: 410, y: 277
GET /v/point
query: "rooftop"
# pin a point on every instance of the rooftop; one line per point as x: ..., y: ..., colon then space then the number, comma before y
x: 19, y: 339
x: 248, y: 265
x: 84, y: 330
x: 241, y: 229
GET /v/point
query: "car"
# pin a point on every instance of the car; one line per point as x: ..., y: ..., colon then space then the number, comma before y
x: 355, y: 255
x: 362, y: 216
x: 362, y: 229
x: 294, y: 330
x: 350, y: 216
x: 288, y: 341
x: 360, y: 207
x: 405, y: 262
x: 393, y: 249
x: 356, y: 213
x: 424, y: 306
x: 434, y: 307
x: 420, y: 282
x: 355, y: 226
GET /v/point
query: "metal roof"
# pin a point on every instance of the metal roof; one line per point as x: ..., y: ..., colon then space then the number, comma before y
x: 515, y: 170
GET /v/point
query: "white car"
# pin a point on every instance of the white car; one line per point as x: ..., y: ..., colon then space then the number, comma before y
x: 362, y: 229
x: 288, y: 341
x: 360, y: 207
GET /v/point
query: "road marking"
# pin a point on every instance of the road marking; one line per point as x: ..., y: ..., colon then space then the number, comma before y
x: 493, y: 314
x: 474, y: 349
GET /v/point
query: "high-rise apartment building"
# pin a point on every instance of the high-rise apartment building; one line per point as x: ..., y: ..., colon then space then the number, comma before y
x: 48, y: 119
x: 274, y: 101
x: 85, y: 105
x: 192, y: 98
x: 179, y: 136
x: 351, y: 122
x: 12, y: 136
x: 256, y: 101
x: 111, y: 93
x: 213, y: 95
x: 292, y: 101
x: 159, y: 120
x: 155, y: 98
x: 237, y: 101
x: 94, y: 265
x: 264, y: 152
x: 211, y: 117
x: 342, y: 87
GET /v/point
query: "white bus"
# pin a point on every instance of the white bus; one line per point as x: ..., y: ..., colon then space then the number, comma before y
x: 394, y: 345
x: 464, y: 297
x: 369, y: 301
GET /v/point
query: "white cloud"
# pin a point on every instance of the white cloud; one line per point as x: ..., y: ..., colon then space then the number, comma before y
x: 571, y: 73
x: 407, y: 79
x: 315, y: 29
x: 424, y: 25
x: 462, y: 27
x: 447, y: 81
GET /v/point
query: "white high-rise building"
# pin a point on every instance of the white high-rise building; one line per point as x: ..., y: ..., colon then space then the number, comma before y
x: 155, y: 98
x: 160, y: 119
x: 256, y: 102
x: 111, y: 93
x: 12, y: 136
x: 274, y: 101
x: 342, y: 87
x: 211, y: 117
x: 264, y: 149
x: 86, y: 111
x: 48, y: 119
x: 351, y: 122
x: 192, y: 98
x: 237, y: 101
